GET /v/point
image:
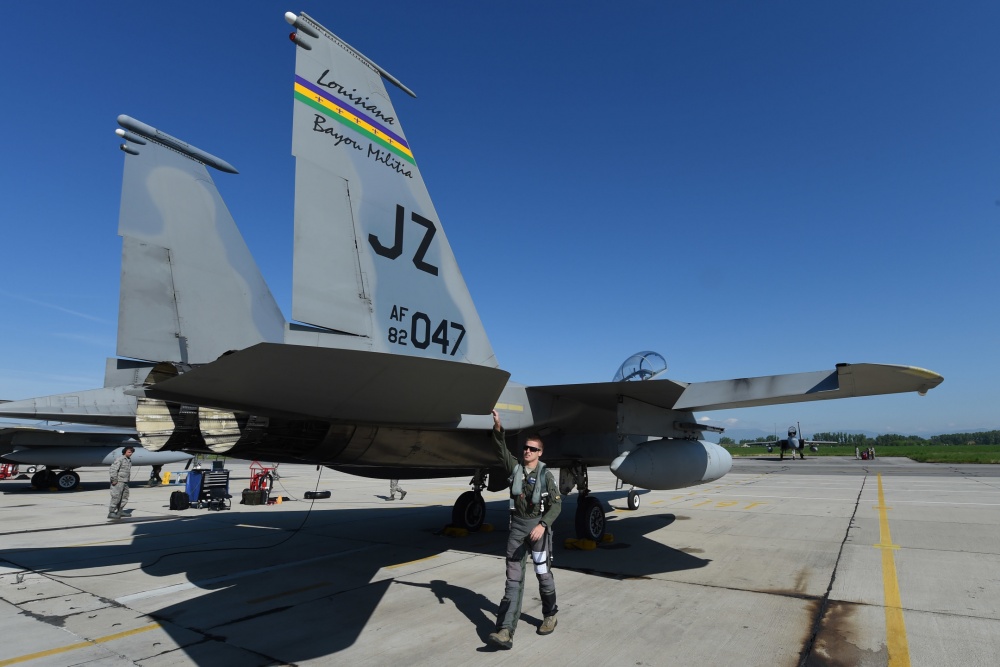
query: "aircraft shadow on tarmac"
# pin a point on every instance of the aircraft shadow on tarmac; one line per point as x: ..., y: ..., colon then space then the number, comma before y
x: 309, y: 582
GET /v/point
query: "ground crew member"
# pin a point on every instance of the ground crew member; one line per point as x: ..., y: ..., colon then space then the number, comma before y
x: 154, y: 476
x: 534, y: 505
x: 393, y: 488
x: 121, y: 471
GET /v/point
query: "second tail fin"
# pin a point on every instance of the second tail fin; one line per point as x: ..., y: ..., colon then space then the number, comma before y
x: 190, y: 289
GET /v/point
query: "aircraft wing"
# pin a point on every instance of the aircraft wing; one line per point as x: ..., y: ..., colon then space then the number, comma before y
x: 845, y: 381
x: 338, y: 384
x: 7, y: 428
x: 107, y: 406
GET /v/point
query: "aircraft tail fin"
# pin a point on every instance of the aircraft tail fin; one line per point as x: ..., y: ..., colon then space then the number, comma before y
x: 190, y: 289
x: 373, y: 269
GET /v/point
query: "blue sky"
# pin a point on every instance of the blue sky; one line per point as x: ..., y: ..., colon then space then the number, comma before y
x: 746, y: 188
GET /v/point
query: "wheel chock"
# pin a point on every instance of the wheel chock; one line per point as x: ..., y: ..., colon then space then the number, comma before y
x: 455, y: 531
x: 608, y: 538
x: 582, y: 545
x: 486, y: 528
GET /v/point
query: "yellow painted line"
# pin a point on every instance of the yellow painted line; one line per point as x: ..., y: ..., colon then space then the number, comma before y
x: 895, y: 627
x: 411, y: 562
x: 77, y: 646
x: 510, y: 407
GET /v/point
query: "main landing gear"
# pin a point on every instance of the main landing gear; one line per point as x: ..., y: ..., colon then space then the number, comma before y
x: 67, y: 480
x: 590, y: 522
x: 469, y: 511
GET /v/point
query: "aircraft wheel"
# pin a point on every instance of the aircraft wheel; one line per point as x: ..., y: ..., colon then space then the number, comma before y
x: 40, y: 479
x: 31, y: 470
x: 589, y: 519
x: 67, y: 480
x: 634, y: 500
x: 469, y: 511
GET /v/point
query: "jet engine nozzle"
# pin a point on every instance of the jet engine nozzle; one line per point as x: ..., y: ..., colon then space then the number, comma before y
x: 170, y: 426
x: 224, y: 430
x: 672, y: 464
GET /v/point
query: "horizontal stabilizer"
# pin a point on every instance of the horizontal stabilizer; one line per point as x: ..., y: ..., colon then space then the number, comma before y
x: 846, y: 381
x: 336, y: 384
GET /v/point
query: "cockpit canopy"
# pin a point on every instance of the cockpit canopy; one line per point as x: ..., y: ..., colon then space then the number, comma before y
x: 641, y: 366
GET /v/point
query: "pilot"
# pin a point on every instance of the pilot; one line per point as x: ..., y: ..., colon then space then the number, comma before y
x: 121, y: 471
x: 534, y: 505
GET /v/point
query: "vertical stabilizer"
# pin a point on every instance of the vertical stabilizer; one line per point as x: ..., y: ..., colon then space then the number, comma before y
x: 372, y: 263
x: 190, y: 290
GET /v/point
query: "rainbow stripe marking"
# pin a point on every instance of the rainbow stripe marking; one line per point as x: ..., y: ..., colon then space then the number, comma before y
x: 331, y: 107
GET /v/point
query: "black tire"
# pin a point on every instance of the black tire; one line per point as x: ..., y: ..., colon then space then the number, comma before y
x: 589, y: 519
x: 634, y: 500
x: 469, y: 511
x: 40, y: 480
x: 67, y: 480
x: 315, y: 495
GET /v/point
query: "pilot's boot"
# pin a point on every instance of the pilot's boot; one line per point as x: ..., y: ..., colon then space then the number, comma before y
x: 502, y: 638
x: 549, y: 610
x: 402, y: 494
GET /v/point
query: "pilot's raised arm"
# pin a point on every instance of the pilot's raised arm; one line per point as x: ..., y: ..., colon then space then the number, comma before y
x: 503, y: 454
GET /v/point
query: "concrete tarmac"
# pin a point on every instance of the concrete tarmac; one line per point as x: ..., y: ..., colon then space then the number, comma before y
x: 816, y: 562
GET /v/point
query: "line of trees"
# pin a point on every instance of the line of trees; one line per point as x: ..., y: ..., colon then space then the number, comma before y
x: 889, y: 439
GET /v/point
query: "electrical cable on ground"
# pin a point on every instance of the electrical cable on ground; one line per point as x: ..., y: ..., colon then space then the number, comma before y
x: 191, y: 551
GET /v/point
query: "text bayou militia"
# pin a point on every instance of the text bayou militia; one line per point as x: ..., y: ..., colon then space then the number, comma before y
x: 378, y: 154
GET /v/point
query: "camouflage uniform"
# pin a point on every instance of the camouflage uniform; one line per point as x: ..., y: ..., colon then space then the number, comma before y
x: 121, y: 471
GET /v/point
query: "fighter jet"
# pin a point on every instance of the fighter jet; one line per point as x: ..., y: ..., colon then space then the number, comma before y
x: 793, y: 444
x: 61, y: 448
x: 386, y: 370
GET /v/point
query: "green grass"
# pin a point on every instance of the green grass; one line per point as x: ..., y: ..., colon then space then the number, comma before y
x: 923, y: 453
